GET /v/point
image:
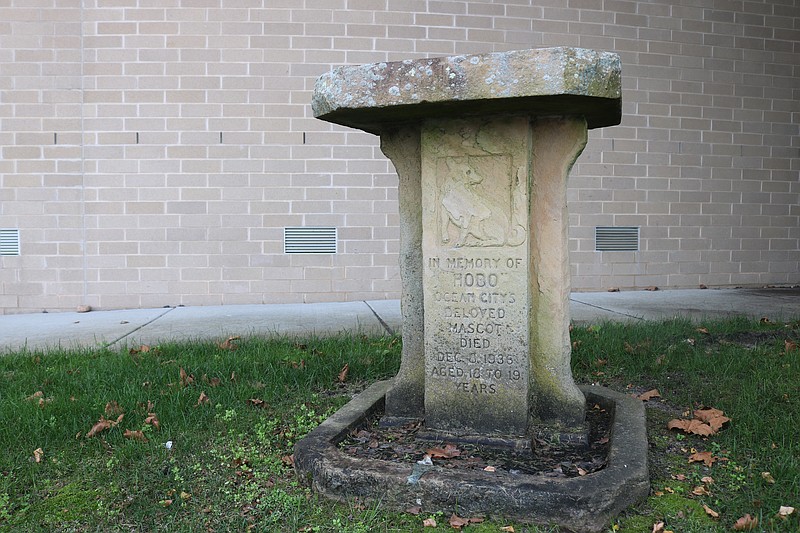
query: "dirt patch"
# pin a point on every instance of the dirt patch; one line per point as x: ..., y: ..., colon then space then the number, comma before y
x: 550, y: 459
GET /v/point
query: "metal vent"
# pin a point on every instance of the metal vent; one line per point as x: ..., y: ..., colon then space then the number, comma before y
x: 616, y: 239
x: 309, y: 240
x: 9, y: 241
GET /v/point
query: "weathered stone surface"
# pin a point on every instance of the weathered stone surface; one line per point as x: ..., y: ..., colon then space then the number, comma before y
x: 475, y: 176
x: 546, y: 81
x: 580, y: 504
x: 483, y: 146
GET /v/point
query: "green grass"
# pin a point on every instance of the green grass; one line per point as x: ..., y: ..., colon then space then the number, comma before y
x: 229, y: 467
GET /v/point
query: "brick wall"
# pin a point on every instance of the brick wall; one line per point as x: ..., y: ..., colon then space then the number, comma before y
x: 152, y: 151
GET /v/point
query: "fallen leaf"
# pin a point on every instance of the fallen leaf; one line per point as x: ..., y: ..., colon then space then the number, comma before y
x: 288, y: 460
x: 746, y: 523
x: 257, y: 402
x: 38, y: 454
x: 342, y: 377
x: 102, y: 425
x: 447, y: 452
x: 490, y: 469
x: 113, y: 408
x: 186, y: 379
x: 710, y: 512
x: 680, y: 477
x: 36, y: 395
x: 700, y: 490
x: 651, y: 288
x: 229, y: 343
x: 429, y: 522
x: 507, y: 529
x: 695, y: 427
x: 785, y: 511
x: 764, y: 320
x: 202, y: 399
x: 613, y: 289
x: 658, y: 527
x: 414, y: 510
x: 185, y: 496
x: 789, y: 346
x: 134, y: 435
x: 646, y: 396
x: 152, y: 420
x: 766, y: 476
x: 704, y: 331
x: 702, y: 457
x: 166, y: 503
x: 708, y: 480
x: 701, y: 286
x: 456, y: 522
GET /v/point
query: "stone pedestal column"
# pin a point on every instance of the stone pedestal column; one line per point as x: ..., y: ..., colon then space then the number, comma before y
x: 483, y: 146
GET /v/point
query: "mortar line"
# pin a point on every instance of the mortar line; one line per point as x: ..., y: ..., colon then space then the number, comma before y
x: 389, y: 330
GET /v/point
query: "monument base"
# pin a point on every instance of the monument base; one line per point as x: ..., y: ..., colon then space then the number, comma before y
x: 582, y: 504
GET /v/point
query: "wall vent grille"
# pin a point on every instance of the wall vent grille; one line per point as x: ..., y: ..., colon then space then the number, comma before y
x: 616, y: 239
x: 9, y: 241
x: 309, y: 240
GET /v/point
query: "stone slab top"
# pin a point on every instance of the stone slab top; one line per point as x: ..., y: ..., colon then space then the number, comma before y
x: 539, y: 82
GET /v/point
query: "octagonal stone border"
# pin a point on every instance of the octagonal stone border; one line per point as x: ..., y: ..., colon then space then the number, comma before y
x: 579, y: 504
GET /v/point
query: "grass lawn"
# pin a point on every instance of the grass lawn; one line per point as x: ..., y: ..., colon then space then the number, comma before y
x: 207, y: 428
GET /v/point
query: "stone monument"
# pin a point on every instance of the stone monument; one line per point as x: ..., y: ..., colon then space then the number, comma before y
x: 483, y: 146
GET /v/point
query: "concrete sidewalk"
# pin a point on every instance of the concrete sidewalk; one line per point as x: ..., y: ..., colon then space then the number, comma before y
x: 149, y: 326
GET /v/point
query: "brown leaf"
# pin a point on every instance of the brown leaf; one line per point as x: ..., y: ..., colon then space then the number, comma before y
x: 229, y: 343
x: 456, y: 522
x: 701, y: 286
x: 38, y: 454
x: 186, y: 379
x: 490, y: 469
x: 152, y: 420
x: 658, y: 527
x: 134, y: 435
x: 257, y: 402
x: 447, y: 452
x: 702, y: 457
x: 113, y: 408
x: 704, y: 331
x: 789, y: 346
x: 36, y: 395
x: 645, y: 396
x: 414, y: 510
x: 766, y: 476
x: 613, y: 289
x: 785, y: 511
x: 713, y: 417
x: 342, y: 377
x: 288, y: 460
x: 507, y: 529
x: 694, y: 426
x: 651, y: 288
x: 708, y: 480
x: 99, y: 426
x: 710, y: 512
x: 202, y: 399
x: 700, y: 490
x: 429, y: 522
x: 746, y: 523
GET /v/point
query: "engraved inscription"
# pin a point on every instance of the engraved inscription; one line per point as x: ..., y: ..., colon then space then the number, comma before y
x: 475, y: 215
